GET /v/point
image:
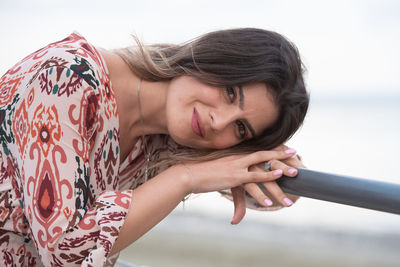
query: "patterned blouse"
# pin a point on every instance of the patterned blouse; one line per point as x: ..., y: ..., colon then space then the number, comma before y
x: 64, y: 194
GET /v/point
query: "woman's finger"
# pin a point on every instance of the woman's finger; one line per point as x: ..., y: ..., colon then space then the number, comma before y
x: 261, y: 176
x: 295, y: 161
x: 239, y: 201
x: 264, y: 156
x: 281, y: 147
x: 277, y: 193
x: 255, y: 191
x: 287, y: 170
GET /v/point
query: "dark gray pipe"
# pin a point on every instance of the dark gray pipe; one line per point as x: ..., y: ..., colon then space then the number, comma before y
x: 346, y: 190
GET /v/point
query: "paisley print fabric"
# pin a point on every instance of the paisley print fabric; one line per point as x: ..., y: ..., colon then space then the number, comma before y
x: 60, y: 199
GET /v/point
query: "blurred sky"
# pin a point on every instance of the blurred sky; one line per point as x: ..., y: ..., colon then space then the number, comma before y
x: 348, y: 46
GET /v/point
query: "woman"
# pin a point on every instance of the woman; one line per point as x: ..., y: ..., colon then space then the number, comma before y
x: 83, y: 130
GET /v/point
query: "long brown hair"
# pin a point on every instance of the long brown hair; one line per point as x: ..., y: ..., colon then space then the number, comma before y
x: 231, y: 58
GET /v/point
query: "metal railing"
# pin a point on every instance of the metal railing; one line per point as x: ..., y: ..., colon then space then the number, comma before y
x: 370, y: 194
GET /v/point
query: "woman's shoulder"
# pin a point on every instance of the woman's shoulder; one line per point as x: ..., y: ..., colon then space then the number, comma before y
x: 64, y: 68
x: 74, y: 53
x: 68, y: 77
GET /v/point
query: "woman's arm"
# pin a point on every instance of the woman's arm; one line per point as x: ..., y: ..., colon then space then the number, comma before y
x: 155, y: 199
x: 151, y: 202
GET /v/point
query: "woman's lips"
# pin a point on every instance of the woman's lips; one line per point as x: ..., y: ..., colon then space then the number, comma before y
x: 197, y: 124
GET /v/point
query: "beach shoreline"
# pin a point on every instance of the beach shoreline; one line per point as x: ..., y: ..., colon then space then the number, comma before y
x: 193, y: 239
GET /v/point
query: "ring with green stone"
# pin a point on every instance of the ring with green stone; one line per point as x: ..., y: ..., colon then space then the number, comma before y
x: 267, y: 166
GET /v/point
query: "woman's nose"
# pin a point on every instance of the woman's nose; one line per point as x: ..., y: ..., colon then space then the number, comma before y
x: 222, y: 118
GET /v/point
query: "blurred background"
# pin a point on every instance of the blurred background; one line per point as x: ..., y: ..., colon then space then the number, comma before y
x: 351, y: 51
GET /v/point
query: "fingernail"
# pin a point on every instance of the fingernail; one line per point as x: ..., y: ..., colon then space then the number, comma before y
x: 292, y: 171
x: 287, y: 201
x: 278, y: 172
x: 268, y: 202
x: 290, y: 151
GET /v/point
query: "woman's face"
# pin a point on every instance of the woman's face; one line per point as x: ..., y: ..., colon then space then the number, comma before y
x: 202, y: 116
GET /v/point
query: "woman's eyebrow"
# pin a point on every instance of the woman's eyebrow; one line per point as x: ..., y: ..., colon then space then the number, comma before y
x: 241, y: 105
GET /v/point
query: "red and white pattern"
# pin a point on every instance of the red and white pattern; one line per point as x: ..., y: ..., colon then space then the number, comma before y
x: 60, y: 199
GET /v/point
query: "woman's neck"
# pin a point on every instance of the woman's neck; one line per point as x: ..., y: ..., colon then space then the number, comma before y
x: 152, y: 99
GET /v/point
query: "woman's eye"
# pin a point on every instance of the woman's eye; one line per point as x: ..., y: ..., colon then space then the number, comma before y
x: 241, y: 129
x: 231, y: 94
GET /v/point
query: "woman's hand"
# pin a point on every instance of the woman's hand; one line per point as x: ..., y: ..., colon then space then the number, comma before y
x: 234, y: 171
x: 272, y: 195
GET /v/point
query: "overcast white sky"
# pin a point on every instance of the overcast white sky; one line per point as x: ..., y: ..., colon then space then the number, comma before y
x: 347, y: 46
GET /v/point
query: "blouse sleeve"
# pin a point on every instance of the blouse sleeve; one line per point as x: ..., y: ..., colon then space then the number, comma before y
x: 74, y: 208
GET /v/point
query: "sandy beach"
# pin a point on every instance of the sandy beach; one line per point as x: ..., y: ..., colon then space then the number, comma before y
x: 192, y: 239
